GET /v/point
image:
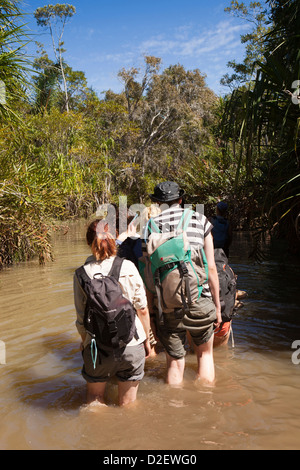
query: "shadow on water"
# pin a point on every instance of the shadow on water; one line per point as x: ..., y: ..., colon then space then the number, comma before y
x: 54, y: 380
x: 270, y: 319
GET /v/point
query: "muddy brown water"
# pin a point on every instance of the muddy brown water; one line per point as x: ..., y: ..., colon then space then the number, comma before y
x: 254, y: 404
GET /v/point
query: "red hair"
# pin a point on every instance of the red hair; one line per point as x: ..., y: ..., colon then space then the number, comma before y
x: 102, y: 243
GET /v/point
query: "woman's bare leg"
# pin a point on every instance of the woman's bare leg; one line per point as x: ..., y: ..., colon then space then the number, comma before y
x: 127, y: 392
x: 95, y: 392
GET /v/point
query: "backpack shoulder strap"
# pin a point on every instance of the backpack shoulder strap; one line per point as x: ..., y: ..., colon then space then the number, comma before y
x: 116, y: 268
x: 82, y: 275
x: 185, y: 219
x: 152, y: 226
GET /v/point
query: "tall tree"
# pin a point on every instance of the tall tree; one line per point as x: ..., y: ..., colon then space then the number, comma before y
x: 46, y: 82
x: 77, y: 87
x: 13, y: 63
x: 167, y: 112
x: 256, y: 14
x: 55, y: 18
x: 265, y: 118
x: 133, y: 89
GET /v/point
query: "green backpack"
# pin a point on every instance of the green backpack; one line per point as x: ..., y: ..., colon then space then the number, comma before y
x: 178, y: 270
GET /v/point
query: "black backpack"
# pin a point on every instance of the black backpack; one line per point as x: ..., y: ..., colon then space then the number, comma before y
x: 227, y: 281
x: 109, y: 317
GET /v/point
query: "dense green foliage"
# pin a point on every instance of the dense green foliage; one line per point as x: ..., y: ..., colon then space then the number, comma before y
x: 261, y: 124
x: 64, y: 150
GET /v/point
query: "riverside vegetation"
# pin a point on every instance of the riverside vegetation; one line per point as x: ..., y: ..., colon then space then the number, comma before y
x: 65, y: 150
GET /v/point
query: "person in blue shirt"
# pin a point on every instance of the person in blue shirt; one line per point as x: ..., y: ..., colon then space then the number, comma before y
x: 222, y: 231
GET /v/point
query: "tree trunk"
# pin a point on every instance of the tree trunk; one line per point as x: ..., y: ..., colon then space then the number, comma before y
x: 65, y: 83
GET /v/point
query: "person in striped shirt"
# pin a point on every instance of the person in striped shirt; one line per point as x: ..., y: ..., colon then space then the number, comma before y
x: 172, y: 334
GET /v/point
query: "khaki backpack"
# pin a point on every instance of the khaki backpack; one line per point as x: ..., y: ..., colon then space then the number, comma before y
x: 173, y: 270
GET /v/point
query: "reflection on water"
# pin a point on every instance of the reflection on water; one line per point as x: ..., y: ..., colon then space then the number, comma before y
x: 254, y: 404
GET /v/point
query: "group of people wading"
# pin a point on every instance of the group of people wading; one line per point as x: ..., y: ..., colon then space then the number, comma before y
x: 138, y: 295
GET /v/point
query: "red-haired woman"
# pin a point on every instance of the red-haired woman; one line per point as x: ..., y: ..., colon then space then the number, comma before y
x: 129, y: 370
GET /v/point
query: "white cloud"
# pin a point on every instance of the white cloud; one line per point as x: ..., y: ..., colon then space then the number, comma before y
x: 190, y: 43
x: 206, y: 48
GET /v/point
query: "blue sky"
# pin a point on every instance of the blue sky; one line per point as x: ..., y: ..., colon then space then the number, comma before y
x: 105, y: 36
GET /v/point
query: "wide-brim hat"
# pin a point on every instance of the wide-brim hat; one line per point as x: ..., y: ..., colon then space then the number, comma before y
x: 167, y: 191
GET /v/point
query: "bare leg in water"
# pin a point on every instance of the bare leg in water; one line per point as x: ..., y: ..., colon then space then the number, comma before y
x: 206, y: 367
x: 95, y: 392
x: 175, y: 369
x: 127, y: 392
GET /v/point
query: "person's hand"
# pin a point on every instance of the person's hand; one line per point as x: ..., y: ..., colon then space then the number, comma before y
x: 122, y: 237
x: 153, y: 327
x: 131, y: 231
x: 218, y: 321
x: 147, y: 347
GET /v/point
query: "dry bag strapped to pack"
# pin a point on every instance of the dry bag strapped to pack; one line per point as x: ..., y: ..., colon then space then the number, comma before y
x: 227, y: 281
x: 178, y: 270
x: 109, y: 317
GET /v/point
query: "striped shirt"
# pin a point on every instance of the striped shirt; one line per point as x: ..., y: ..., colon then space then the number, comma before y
x: 199, y: 227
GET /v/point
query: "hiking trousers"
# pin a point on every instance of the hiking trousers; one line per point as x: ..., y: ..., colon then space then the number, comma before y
x: 199, y: 322
x: 129, y: 367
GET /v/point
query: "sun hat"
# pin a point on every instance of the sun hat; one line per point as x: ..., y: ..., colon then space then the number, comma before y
x: 166, y: 191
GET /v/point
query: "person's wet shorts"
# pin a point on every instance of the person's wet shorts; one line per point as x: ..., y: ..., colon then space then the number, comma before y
x: 199, y: 322
x: 129, y: 367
